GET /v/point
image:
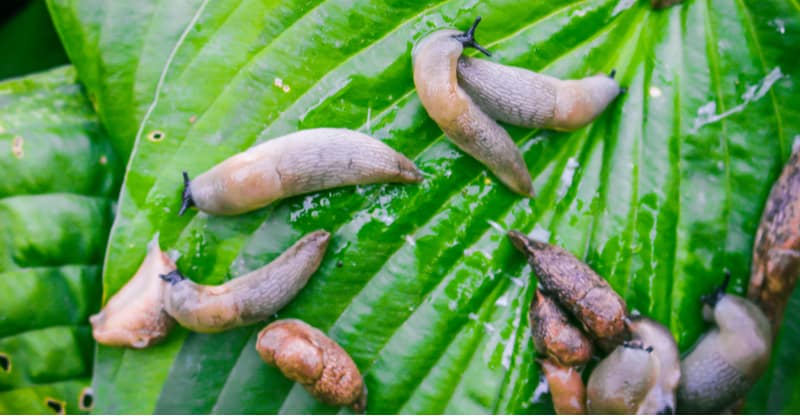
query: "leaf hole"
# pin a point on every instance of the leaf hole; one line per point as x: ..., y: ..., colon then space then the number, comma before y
x: 5, y: 362
x: 156, y: 136
x: 57, y: 405
x: 86, y: 400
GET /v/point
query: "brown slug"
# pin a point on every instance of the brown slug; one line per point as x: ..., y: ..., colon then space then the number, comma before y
x: 639, y: 376
x: 565, y: 349
x: 306, y: 355
x: 435, y: 59
x: 298, y: 163
x: 728, y: 359
x: 776, y: 252
x: 246, y: 299
x: 525, y: 98
x: 134, y: 317
x: 577, y: 288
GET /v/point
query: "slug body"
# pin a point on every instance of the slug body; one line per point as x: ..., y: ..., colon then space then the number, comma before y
x: 246, y: 299
x: 298, y: 163
x: 621, y: 382
x: 728, y: 359
x: 661, y: 396
x: 435, y: 61
x: 776, y: 253
x: 529, y: 99
x: 577, y: 288
x: 306, y: 355
x: 565, y: 349
x: 134, y: 317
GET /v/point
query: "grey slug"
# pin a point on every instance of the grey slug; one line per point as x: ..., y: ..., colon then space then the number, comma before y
x: 134, y: 317
x: 246, y: 299
x: 640, y: 376
x: 565, y: 350
x: 435, y: 59
x: 298, y: 163
x: 728, y: 359
x: 306, y: 355
x: 529, y: 99
x: 577, y: 288
x: 776, y: 252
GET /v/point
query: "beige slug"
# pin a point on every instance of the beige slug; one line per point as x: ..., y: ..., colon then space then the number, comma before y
x: 726, y: 361
x: 134, y: 317
x: 639, y: 376
x: 529, y: 99
x: 298, y: 163
x: 776, y: 252
x: 306, y: 355
x: 435, y: 59
x: 577, y: 288
x: 249, y: 298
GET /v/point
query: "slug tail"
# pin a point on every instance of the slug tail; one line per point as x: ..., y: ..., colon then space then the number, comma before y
x: 468, y: 38
x: 187, y: 195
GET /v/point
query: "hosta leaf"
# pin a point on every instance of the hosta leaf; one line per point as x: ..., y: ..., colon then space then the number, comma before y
x: 420, y: 284
x: 59, y: 174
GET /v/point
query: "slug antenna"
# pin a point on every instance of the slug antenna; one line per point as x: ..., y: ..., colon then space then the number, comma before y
x: 712, y: 298
x: 172, y: 277
x: 468, y: 38
x: 187, y: 195
x: 613, y: 73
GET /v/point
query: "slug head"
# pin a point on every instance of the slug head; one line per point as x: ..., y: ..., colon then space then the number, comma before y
x: 524, y: 244
x: 714, y: 297
x: 468, y: 38
x: 172, y: 277
x: 187, y: 194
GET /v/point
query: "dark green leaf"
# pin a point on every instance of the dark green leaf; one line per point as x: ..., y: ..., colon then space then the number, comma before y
x: 659, y: 195
x: 59, y: 175
x: 30, y: 42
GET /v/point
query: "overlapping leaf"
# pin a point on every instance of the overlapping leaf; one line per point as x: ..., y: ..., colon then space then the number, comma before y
x: 420, y: 286
x: 59, y: 174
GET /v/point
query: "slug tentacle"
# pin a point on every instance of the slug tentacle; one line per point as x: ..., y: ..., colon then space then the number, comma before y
x: 134, y: 317
x: 468, y: 38
x: 529, y: 99
x: 186, y: 198
x: 298, y: 163
x: 249, y: 298
x: 435, y: 59
x: 306, y: 355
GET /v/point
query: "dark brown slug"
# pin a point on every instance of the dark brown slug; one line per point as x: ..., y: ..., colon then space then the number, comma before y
x: 776, y: 252
x: 577, y: 288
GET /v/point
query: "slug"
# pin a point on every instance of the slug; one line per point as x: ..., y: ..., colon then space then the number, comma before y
x: 640, y: 376
x: 525, y: 98
x: 306, y: 355
x: 621, y: 382
x: 435, y: 59
x: 776, y: 252
x: 577, y: 288
x: 298, y: 163
x: 565, y: 349
x: 726, y: 361
x: 246, y: 299
x: 134, y: 317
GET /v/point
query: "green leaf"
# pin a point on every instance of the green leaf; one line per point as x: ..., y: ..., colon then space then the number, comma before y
x: 420, y: 284
x: 59, y: 175
x: 30, y: 42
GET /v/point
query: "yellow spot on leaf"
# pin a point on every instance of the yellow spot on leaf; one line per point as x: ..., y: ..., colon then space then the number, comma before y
x: 16, y: 147
x: 2, y: 129
x: 156, y: 136
x: 103, y: 159
x: 487, y: 181
x: 192, y: 119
